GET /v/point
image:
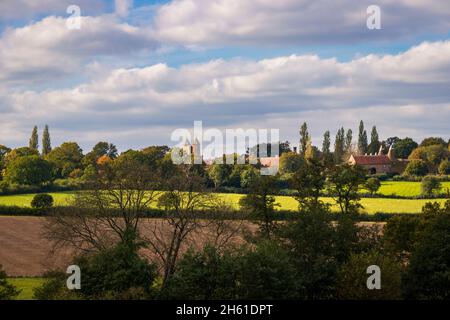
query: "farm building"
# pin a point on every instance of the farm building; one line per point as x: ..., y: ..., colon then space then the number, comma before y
x: 379, y: 163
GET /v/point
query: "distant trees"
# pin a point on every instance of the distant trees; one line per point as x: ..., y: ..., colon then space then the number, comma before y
x: 348, y: 142
x: 29, y: 170
x: 33, y: 143
x: 46, y: 144
x: 432, y: 156
x: 290, y: 162
x: 339, y: 145
x: 65, y: 158
x: 416, y: 167
x: 304, y: 137
x: 362, y: 139
x: 326, y: 153
x: 433, y: 141
x: 404, y: 147
x: 375, y: 144
x: 444, y: 167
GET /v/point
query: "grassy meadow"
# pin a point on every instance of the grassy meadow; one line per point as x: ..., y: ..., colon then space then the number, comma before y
x: 371, y: 205
x: 26, y: 285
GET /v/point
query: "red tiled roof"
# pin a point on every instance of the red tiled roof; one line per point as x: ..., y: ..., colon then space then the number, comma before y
x: 372, y: 160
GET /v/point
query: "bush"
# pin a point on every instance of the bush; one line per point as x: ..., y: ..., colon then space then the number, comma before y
x: 7, y: 290
x: 372, y: 184
x: 116, y: 273
x: 54, y: 288
x: 352, y: 277
x: 430, y: 185
x: 42, y: 201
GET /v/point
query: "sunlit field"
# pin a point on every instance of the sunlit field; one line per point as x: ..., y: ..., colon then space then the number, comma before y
x: 26, y: 285
x: 371, y: 205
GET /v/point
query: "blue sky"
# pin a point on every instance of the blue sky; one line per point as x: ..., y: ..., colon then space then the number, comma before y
x: 137, y: 70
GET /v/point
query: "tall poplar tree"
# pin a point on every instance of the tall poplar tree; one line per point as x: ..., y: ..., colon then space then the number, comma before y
x: 304, y: 137
x: 339, y: 146
x: 362, y: 139
x: 46, y: 145
x: 33, y: 143
x: 374, y: 141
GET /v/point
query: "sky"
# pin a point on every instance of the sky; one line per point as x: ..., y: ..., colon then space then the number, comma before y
x: 135, y: 71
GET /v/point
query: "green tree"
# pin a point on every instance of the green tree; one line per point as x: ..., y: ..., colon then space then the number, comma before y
x: 33, y: 143
x: 304, y: 137
x: 404, y: 147
x: 102, y: 148
x: 42, y: 201
x: 427, y: 274
x: 375, y: 144
x: 345, y: 182
x: 310, y: 241
x: 416, y: 168
x: 7, y: 290
x: 260, y: 203
x: 29, y: 170
x: 372, y: 184
x: 326, y: 153
x: 290, y: 162
x: 115, y: 272
x: 248, y: 176
x: 339, y: 146
x: 66, y: 158
x: 219, y: 174
x: 267, y: 272
x: 352, y: 277
x: 444, y: 167
x: 203, y: 275
x: 362, y: 139
x: 430, y: 185
x: 46, y: 144
x: 430, y: 141
x: 309, y: 181
x: 432, y: 155
x: 348, y: 141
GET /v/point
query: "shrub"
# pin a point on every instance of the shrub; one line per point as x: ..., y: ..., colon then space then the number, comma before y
x: 42, y: 201
x: 372, y: 184
x: 430, y: 185
x: 352, y: 277
x: 7, y: 290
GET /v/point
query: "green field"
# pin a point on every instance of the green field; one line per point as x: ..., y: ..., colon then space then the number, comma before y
x: 371, y: 205
x: 26, y: 285
x: 406, y: 188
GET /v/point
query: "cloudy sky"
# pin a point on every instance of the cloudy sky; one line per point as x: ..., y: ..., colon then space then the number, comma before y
x: 136, y: 70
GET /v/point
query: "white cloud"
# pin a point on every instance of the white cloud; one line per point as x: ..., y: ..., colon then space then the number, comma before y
x: 122, y: 7
x: 47, y: 49
x: 402, y: 94
x: 265, y: 22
